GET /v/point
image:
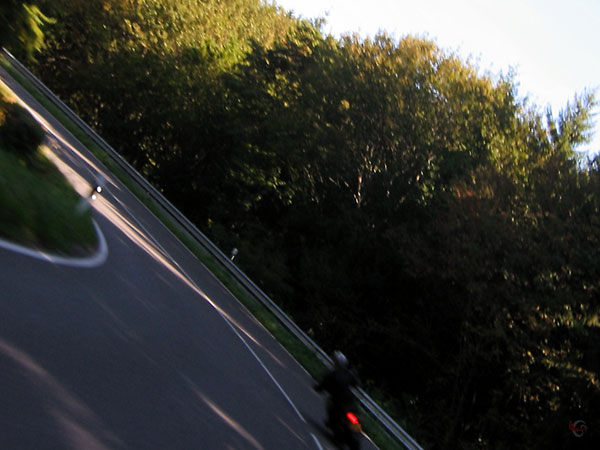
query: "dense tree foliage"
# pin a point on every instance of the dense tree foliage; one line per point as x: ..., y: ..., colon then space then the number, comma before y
x: 398, y: 203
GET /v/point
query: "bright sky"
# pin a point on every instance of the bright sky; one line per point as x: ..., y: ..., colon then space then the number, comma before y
x: 554, y: 45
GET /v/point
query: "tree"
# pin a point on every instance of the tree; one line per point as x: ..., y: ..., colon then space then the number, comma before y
x: 22, y: 27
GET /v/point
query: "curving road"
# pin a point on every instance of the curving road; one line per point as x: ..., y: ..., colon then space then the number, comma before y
x: 139, y: 347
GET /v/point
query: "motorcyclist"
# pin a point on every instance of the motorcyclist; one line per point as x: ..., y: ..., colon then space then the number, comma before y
x: 338, y: 383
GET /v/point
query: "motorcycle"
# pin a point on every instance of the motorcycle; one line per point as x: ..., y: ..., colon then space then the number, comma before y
x: 346, y: 429
x: 342, y: 419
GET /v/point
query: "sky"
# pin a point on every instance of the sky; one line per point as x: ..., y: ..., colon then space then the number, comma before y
x: 552, y: 45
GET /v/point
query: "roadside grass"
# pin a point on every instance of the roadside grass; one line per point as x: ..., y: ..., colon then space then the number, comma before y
x: 38, y: 206
x: 312, y: 364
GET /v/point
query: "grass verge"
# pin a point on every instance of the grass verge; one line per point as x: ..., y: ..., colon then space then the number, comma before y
x: 38, y: 207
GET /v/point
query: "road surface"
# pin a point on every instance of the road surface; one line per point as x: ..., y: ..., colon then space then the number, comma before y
x: 139, y: 346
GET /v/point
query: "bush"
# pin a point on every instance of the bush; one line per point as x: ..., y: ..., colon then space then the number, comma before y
x: 19, y: 131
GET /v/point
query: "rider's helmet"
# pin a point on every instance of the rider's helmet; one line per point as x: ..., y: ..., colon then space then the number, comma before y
x: 339, y: 359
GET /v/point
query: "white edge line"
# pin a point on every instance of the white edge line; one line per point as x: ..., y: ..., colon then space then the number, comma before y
x: 317, y: 443
x: 97, y: 259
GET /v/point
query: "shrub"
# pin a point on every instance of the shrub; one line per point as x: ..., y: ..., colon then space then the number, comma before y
x: 19, y: 131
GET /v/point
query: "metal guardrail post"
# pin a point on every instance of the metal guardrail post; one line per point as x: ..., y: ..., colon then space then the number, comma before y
x: 369, y: 404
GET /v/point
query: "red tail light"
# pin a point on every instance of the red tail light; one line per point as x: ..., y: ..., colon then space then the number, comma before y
x: 352, y: 418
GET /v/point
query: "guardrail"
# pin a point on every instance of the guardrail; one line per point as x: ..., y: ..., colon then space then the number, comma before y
x: 367, y: 402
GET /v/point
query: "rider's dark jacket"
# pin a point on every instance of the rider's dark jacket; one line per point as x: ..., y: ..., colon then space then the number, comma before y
x: 338, y: 384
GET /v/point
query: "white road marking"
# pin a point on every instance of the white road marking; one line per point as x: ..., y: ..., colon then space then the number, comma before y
x: 95, y: 260
x: 317, y: 443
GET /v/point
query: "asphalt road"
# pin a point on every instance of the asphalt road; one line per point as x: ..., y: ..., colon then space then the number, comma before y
x: 139, y: 347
